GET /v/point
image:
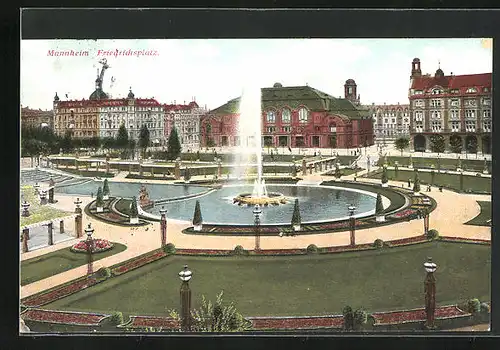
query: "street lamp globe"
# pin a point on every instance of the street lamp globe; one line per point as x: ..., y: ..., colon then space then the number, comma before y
x: 89, y: 231
x: 185, y: 275
x: 257, y: 210
x: 351, y: 209
x: 430, y: 266
x: 78, y: 202
x: 163, y: 211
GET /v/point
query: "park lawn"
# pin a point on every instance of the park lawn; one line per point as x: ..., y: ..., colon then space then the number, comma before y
x: 484, y: 217
x: 445, y: 163
x: 61, y: 260
x: 472, y: 183
x: 90, y: 173
x: 378, y: 280
x: 38, y: 212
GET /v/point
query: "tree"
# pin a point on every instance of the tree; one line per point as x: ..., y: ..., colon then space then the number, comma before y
x: 66, y: 142
x: 197, y: 218
x: 416, y: 183
x: 354, y: 320
x: 99, y: 200
x: 437, y: 143
x: 360, y: 318
x: 105, y: 189
x: 122, y: 138
x: 216, y: 317
x: 384, y: 174
x: 108, y: 143
x: 402, y: 143
x: 187, y: 175
x: 348, y: 318
x: 144, y: 139
x: 173, y: 145
x: 131, y: 147
x: 296, y: 220
x: 379, y: 207
x: 456, y: 144
x: 133, y: 208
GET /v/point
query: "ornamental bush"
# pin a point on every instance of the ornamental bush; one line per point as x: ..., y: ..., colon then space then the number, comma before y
x: 432, y: 234
x: 360, y: 318
x: 134, y: 212
x: 117, y: 318
x: 169, y: 248
x: 473, y: 305
x: 384, y: 175
x: 105, y: 189
x: 99, y: 200
x: 104, y: 272
x: 239, y: 250
x: 379, y: 207
x: 312, y: 249
x: 484, y: 308
x: 378, y: 243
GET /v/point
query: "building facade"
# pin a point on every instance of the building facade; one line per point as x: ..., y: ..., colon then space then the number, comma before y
x: 390, y: 122
x: 451, y: 110
x: 186, y: 119
x: 37, y: 118
x: 297, y: 116
x: 81, y: 118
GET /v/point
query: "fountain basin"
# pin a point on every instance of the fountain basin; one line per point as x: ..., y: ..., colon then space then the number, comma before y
x: 272, y: 198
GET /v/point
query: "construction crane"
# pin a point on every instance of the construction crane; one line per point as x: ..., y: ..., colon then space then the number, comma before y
x: 105, y: 66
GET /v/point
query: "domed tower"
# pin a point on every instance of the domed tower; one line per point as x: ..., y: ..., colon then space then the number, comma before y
x: 350, y: 91
x: 130, y: 94
x: 415, y: 68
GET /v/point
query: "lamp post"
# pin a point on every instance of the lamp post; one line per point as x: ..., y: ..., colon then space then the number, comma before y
x: 77, y: 203
x: 352, y: 223
x: 43, y: 197
x: 163, y: 226
x: 425, y: 215
x: 90, y: 243
x: 439, y: 162
x: 185, y: 275
x: 25, y: 205
x: 368, y: 162
x: 430, y: 293
x: 36, y: 186
x: 256, y: 212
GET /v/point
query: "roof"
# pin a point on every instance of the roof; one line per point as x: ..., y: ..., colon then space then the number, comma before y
x: 460, y: 82
x: 296, y: 96
x: 98, y: 94
x: 178, y: 107
x: 107, y: 102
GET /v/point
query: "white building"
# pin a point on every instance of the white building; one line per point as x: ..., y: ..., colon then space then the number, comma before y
x: 390, y: 122
x: 186, y: 119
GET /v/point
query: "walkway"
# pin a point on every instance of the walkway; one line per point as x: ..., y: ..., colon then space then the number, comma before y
x: 452, y: 211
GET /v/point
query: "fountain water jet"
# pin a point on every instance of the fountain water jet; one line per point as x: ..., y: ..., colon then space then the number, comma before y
x: 250, y: 148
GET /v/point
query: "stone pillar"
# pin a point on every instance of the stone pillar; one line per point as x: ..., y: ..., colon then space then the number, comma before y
x: 50, y: 233
x: 152, y: 171
x: 141, y: 170
x: 310, y: 169
x: 78, y: 223
x: 304, y: 167
x: 76, y: 163
x: 163, y: 227
x: 107, y: 166
x: 97, y: 166
x: 177, y: 170
x: 219, y: 169
x: 26, y: 234
x: 51, y: 195
x: 87, y: 166
x: 61, y: 226
x: 130, y: 168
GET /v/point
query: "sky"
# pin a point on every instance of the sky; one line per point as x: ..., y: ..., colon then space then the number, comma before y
x: 213, y: 71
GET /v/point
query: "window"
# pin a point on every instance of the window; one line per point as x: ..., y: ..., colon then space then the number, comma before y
x: 471, y: 90
x: 418, y: 92
x: 454, y: 91
x: 436, y: 126
x: 455, y: 126
x: 487, y: 114
x: 470, y: 126
x: 486, y: 101
x: 303, y: 115
x: 419, y: 116
x: 286, y: 129
x: 470, y: 102
x: 393, y: 120
x: 419, y: 126
x: 486, y: 89
x: 271, y: 117
x: 487, y: 125
x: 470, y: 113
x: 454, y: 102
x: 285, y: 116
x: 385, y: 121
x: 437, y: 91
x: 436, y: 103
x: 454, y: 114
x: 271, y: 129
x: 436, y: 115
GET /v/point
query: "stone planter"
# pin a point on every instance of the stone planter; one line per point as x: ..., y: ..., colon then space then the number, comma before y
x: 296, y: 227
x: 417, y: 193
x: 385, y: 184
x: 410, y: 166
x: 99, y: 209
x: 105, y: 197
x: 134, y: 220
x: 459, y: 170
x: 380, y: 218
x: 197, y: 227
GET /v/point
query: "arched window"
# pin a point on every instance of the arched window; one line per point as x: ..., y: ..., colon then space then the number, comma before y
x: 285, y: 116
x: 303, y: 115
x: 271, y: 117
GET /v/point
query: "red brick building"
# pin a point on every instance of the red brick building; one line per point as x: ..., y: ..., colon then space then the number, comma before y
x: 296, y: 116
x: 450, y: 111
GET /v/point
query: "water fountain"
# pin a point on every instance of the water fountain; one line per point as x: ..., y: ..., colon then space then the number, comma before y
x: 250, y: 148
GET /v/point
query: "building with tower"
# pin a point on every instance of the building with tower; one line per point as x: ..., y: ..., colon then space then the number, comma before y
x: 296, y: 116
x: 450, y: 111
x: 351, y: 93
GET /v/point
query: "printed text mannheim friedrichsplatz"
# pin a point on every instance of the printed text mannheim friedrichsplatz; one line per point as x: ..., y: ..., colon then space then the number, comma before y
x: 103, y: 53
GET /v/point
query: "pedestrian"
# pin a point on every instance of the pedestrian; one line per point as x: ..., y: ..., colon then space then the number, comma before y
x: 91, y: 194
x: 440, y: 188
x: 409, y: 182
x: 354, y: 178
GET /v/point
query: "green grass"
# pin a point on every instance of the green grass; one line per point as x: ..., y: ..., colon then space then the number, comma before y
x: 484, y: 217
x: 38, y: 212
x: 379, y: 280
x: 471, y: 183
x: 90, y: 173
x: 62, y: 260
x: 445, y: 163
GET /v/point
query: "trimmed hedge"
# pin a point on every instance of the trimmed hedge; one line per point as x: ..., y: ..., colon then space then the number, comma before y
x: 169, y: 248
x: 432, y: 234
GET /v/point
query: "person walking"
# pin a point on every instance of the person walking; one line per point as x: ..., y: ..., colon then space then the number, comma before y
x: 409, y: 182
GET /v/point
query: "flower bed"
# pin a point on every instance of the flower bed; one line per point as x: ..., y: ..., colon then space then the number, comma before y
x: 404, y: 213
x: 466, y: 240
x: 203, y: 252
x: 336, y: 321
x: 408, y: 241
x: 99, y: 245
x: 64, y: 317
x: 416, y: 315
x: 58, y: 293
x: 138, y: 262
x: 152, y: 321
